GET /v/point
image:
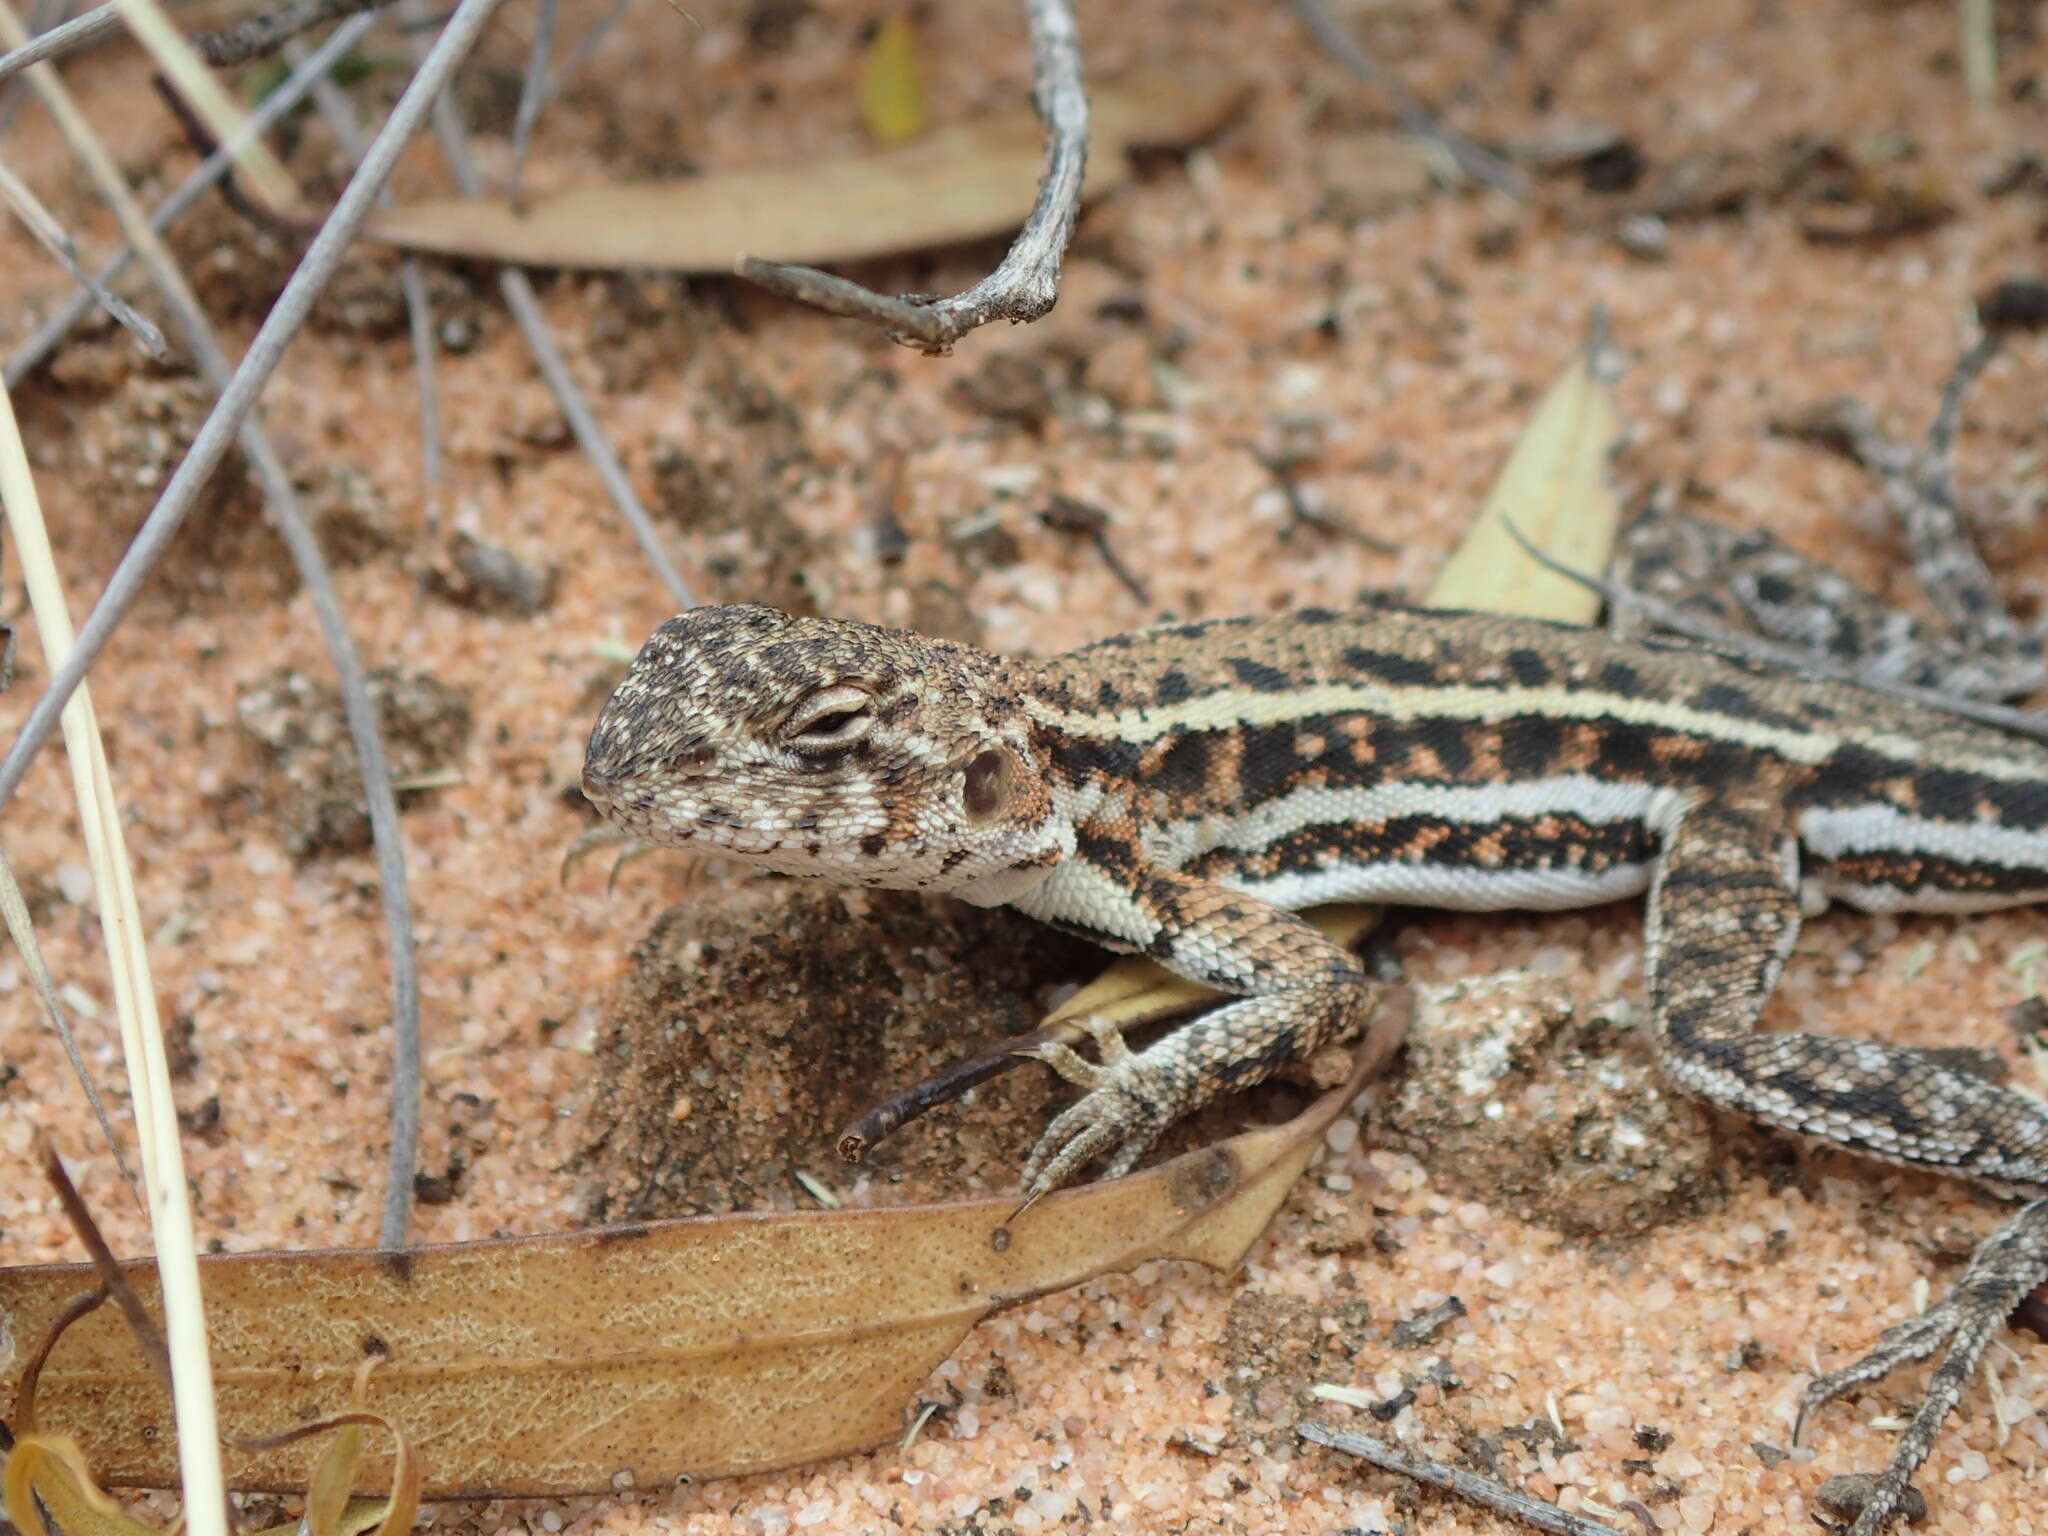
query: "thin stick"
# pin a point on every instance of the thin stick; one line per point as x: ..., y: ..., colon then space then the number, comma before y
x: 79, y: 1214
x: 1948, y: 415
x: 142, y: 1040
x: 211, y: 443
x: 44, y: 226
x: 532, y: 94
x: 267, y: 31
x: 1025, y: 285
x: 419, y: 310
x: 586, y: 46
x: 30, y: 354
x: 89, y: 28
x: 517, y: 289
x: 22, y: 929
x: 1470, y: 1486
x: 1335, y: 39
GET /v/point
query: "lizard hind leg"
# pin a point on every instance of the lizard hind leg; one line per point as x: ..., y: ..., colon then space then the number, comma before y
x: 1723, y: 914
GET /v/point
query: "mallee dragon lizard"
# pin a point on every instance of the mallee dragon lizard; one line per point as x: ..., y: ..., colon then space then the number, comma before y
x: 1181, y: 791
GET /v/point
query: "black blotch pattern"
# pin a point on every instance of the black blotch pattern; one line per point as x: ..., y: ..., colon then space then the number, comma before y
x: 1259, y: 677
x: 1530, y: 746
x: 1174, y: 687
x: 1081, y: 757
x: 1619, y: 677
x: 1528, y: 668
x: 1390, y: 667
x: 1268, y: 764
x: 1624, y: 753
x: 1727, y: 699
x: 1184, y: 766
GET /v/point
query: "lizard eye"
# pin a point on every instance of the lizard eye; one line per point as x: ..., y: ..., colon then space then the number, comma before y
x: 831, y: 718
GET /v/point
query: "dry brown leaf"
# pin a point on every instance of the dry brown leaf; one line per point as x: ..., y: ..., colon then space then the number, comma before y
x: 706, y: 1346
x: 962, y: 182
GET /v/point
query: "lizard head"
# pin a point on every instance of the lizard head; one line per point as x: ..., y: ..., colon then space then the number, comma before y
x: 825, y: 748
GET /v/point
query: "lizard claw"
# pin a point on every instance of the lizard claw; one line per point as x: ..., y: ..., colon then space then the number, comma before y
x: 1122, y: 1112
x: 2007, y: 1265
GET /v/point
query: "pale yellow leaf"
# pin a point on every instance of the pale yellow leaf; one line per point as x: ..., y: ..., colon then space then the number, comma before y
x: 892, y: 99
x: 1554, y: 489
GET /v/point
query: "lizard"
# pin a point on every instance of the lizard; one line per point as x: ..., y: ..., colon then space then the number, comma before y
x: 1181, y: 791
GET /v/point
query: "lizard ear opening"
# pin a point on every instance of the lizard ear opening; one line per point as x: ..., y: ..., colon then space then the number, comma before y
x: 990, y: 785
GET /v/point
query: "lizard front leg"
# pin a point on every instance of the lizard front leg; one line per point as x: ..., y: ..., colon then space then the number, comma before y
x: 1299, y: 991
x: 1723, y: 914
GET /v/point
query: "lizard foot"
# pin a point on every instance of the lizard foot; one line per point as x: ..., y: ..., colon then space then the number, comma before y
x: 1126, y: 1105
x: 2005, y: 1268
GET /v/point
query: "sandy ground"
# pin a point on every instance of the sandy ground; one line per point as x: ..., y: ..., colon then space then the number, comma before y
x: 1233, y: 296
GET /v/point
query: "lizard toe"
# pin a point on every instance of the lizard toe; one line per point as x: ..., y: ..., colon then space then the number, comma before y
x: 1116, y: 1117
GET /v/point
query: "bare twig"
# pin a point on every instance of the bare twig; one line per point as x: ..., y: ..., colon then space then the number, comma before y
x: 586, y: 46
x: 1304, y: 512
x: 222, y: 423
x: 79, y: 1214
x: 1415, y: 117
x: 412, y: 282
x: 89, y: 28
x: 532, y: 96
x: 42, y: 16
x: 267, y: 31
x: 1026, y: 283
x: 30, y: 354
x: 517, y: 289
x: 44, y: 226
x: 1470, y: 1486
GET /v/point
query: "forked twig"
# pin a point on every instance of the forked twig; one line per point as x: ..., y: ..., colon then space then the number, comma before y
x: 1025, y: 285
x: 532, y: 96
